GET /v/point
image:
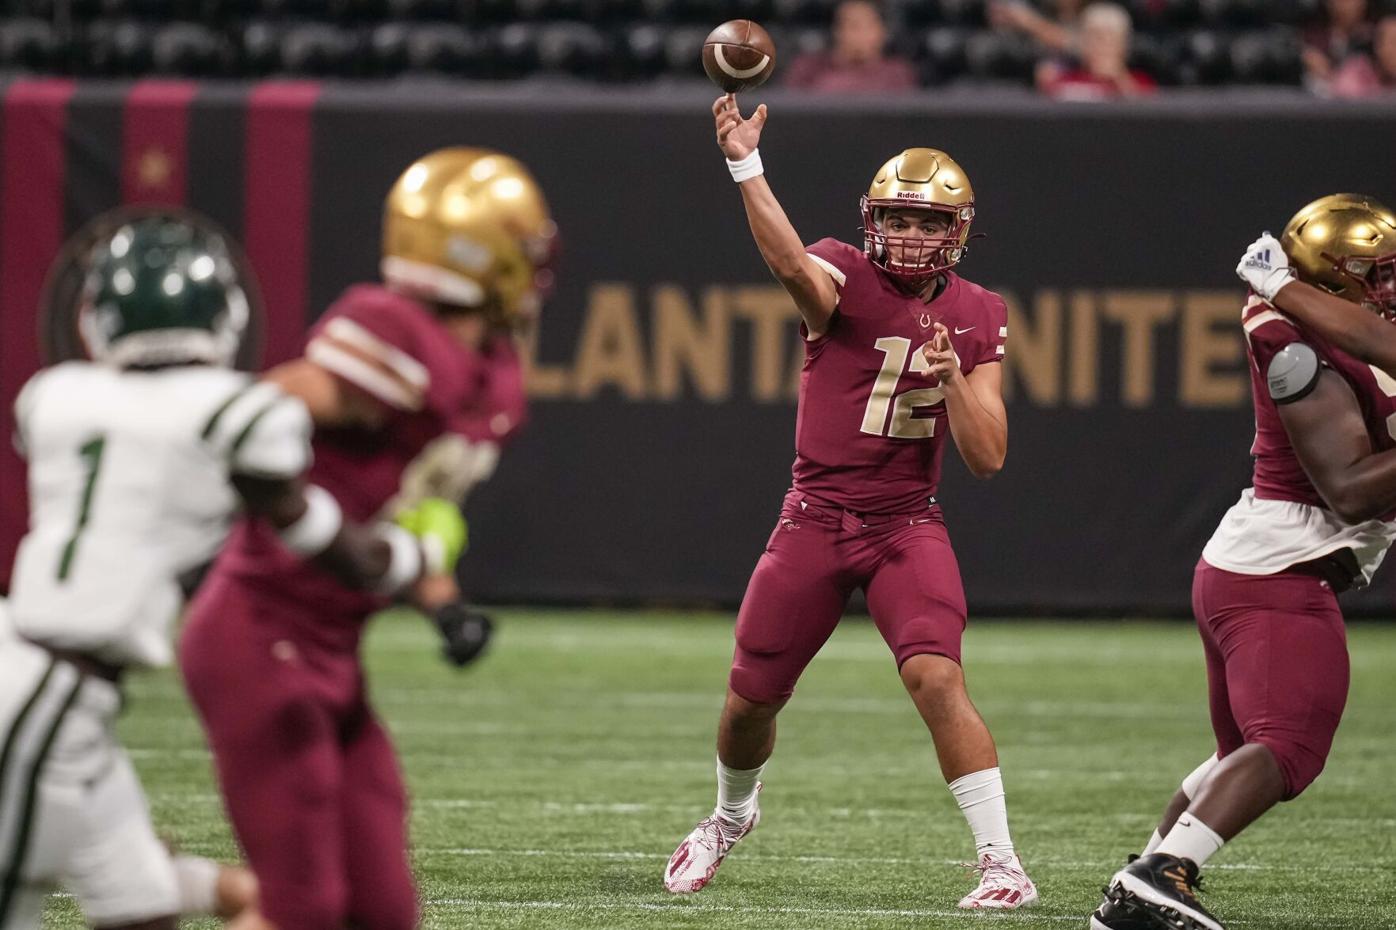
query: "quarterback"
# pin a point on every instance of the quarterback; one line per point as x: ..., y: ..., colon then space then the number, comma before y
x: 270, y: 652
x: 1317, y: 520
x: 138, y: 460
x: 901, y: 354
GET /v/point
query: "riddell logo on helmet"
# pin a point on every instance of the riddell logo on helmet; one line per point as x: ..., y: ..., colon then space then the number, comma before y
x: 911, y: 195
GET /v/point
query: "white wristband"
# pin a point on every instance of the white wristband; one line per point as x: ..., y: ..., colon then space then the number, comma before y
x: 747, y: 168
x: 405, y: 560
x: 317, y: 527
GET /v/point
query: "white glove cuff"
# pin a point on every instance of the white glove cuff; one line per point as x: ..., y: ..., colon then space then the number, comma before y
x: 313, y: 532
x: 405, y: 559
x: 746, y: 168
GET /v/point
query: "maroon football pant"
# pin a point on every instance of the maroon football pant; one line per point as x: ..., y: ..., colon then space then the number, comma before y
x: 1277, y: 665
x: 308, y: 774
x: 816, y: 557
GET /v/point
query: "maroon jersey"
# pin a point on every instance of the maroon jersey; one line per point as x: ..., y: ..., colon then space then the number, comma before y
x: 394, y: 351
x: 871, y: 427
x: 1278, y: 474
x: 501, y: 407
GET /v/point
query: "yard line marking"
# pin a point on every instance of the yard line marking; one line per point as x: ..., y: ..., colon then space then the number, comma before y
x: 678, y: 908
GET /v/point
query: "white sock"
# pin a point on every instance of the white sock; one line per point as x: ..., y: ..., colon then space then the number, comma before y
x: 1191, y: 785
x: 1192, y: 839
x: 197, y: 880
x: 736, y: 792
x: 980, y: 796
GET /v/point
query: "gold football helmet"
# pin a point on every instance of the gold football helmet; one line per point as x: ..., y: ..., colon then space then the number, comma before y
x: 926, y: 179
x: 1346, y: 244
x: 470, y: 227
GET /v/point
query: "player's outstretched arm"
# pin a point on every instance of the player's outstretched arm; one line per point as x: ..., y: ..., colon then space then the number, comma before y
x: 1327, y: 432
x: 811, y: 286
x: 1358, y: 332
x: 973, y: 405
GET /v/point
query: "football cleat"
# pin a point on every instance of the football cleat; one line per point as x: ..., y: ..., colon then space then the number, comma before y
x: 695, y: 862
x: 1165, y: 888
x: 1003, y: 885
x: 1118, y: 913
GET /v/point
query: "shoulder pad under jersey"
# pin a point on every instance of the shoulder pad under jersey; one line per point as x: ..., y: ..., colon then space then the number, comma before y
x: 1293, y: 373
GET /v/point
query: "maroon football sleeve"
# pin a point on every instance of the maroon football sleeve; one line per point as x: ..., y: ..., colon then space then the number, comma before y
x: 837, y: 258
x: 371, y: 345
x: 1267, y: 332
x: 993, y: 341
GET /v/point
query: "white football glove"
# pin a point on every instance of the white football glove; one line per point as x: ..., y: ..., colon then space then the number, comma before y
x: 1265, y: 267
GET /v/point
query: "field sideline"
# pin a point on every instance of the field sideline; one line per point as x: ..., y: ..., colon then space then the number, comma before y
x: 552, y: 781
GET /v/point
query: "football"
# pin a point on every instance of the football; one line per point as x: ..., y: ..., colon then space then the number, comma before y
x: 739, y: 55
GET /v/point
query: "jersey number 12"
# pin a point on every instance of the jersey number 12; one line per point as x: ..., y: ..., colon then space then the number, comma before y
x: 904, y: 425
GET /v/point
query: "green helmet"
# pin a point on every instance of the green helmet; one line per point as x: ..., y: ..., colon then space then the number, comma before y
x: 159, y: 291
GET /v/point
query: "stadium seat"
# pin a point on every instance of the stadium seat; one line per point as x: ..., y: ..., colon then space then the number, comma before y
x: 319, y: 50
x: 943, y: 54
x: 423, y: 10
x: 642, y: 50
x: 963, y: 12
x: 998, y: 56
x: 576, y: 49
x: 191, y: 49
x: 683, y: 51
x: 1267, y: 57
x: 29, y: 44
x: 515, y: 50
x: 116, y: 48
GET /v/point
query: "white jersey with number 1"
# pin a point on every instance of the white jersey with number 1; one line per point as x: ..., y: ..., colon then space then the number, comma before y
x: 129, y: 489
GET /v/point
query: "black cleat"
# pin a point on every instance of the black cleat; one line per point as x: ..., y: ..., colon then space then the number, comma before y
x: 1116, y: 912
x: 1164, y: 888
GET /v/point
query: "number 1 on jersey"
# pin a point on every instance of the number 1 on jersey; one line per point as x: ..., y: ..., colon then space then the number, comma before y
x: 91, y: 453
x: 895, y: 350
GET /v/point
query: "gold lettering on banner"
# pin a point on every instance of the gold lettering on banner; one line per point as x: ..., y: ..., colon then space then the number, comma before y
x: 671, y: 344
x: 1139, y: 313
x: 1034, y: 354
x: 610, y: 350
x: 772, y: 314
x: 683, y: 345
x: 1083, y: 381
x: 546, y: 382
x: 1210, y: 338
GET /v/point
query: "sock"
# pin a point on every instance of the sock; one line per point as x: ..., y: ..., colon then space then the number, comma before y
x: 1191, y: 785
x: 1192, y: 839
x: 980, y: 796
x: 736, y: 792
x: 197, y: 881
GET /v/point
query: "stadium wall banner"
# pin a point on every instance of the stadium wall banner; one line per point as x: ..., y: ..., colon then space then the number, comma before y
x: 664, y: 370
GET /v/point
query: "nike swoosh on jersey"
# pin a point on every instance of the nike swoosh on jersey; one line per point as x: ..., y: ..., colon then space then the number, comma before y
x: 961, y: 332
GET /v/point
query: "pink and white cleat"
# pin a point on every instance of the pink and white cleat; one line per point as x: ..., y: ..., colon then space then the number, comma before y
x: 1003, y: 885
x: 695, y: 862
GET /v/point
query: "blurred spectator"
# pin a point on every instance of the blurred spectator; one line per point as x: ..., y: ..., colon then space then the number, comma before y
x: 1346, y: 30
x: 857, y: 59
x: 1056, y: 34
x: 1103, y: 71
x: 1374, y: 74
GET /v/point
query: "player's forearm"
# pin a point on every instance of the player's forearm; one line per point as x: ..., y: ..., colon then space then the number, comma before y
x: 779, y: 243
x: 980, y: 436
x: 1358, y: 332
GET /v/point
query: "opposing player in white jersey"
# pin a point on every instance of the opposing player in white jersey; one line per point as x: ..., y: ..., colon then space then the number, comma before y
x: 137, y: 462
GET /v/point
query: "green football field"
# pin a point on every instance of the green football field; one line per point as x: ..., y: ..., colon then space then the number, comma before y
x: 552, y: 781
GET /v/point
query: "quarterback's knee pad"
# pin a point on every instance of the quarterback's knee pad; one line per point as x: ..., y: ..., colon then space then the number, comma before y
x: 762, y: 679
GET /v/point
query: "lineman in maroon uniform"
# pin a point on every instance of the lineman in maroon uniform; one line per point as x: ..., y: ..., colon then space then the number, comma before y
x: 900, y: 354
x: 270, y: 652
x: 1317, y: 520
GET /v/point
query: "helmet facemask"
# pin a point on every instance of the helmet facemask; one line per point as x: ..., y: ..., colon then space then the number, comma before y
x: 1373, y: 278
x: 915, y: 260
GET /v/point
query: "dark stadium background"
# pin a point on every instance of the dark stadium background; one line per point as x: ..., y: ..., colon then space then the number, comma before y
x: 662, y: 420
